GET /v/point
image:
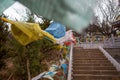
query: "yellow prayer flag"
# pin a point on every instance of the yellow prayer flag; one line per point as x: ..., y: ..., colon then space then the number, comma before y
x: 26, y: 33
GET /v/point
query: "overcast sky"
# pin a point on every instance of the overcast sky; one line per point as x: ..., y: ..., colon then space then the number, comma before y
x: 18, y: 12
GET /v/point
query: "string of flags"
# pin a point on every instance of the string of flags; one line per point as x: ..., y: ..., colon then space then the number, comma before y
x: 26, y: 33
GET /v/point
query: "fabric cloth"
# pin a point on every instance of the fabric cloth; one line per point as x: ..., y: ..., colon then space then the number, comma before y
x: 39, y: 76
x: 26, y: 33
x: 56, y: 29
x: 64, y: 66
x: 68, y: 37
x: 53, y: 68
x: 49, y: 75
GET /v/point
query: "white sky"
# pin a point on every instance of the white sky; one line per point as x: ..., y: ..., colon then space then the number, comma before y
x: 18, y: 11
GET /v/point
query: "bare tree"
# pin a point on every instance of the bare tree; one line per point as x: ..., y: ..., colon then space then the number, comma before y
x: 108, y: 10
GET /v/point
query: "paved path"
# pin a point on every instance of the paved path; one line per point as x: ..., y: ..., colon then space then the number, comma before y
x: 91, y: 64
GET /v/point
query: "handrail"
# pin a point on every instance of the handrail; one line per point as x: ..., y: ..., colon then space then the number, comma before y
x: 70, y: 64
x: 70, y: 67
x: 38, y: 76
x: 110, y: 58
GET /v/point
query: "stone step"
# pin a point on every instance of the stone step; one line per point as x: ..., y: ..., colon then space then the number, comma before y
x: 94, y: 68
x: 93, y: 64
x: 96, y: 72
x: 95, y: 77
x: 97, y: 50
x: 85, y: 52
x: 85, y: 57
x: 88, y: 54
x: 91, y: 52
x: 91, y: 55
x: 91, y: 61
x: 90, y: 58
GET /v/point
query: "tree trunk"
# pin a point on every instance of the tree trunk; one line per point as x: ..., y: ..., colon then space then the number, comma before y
x: 28, y: 70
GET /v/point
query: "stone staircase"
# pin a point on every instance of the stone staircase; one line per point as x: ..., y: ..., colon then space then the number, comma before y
x: 110, y: 43
x: 91, y: 64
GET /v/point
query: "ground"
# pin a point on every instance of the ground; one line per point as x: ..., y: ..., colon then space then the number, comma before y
x: 114, y: 52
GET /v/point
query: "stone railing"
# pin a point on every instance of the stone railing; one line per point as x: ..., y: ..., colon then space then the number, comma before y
x: 110, y: 58
x: 70, y: 63
x: 112, y: 43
